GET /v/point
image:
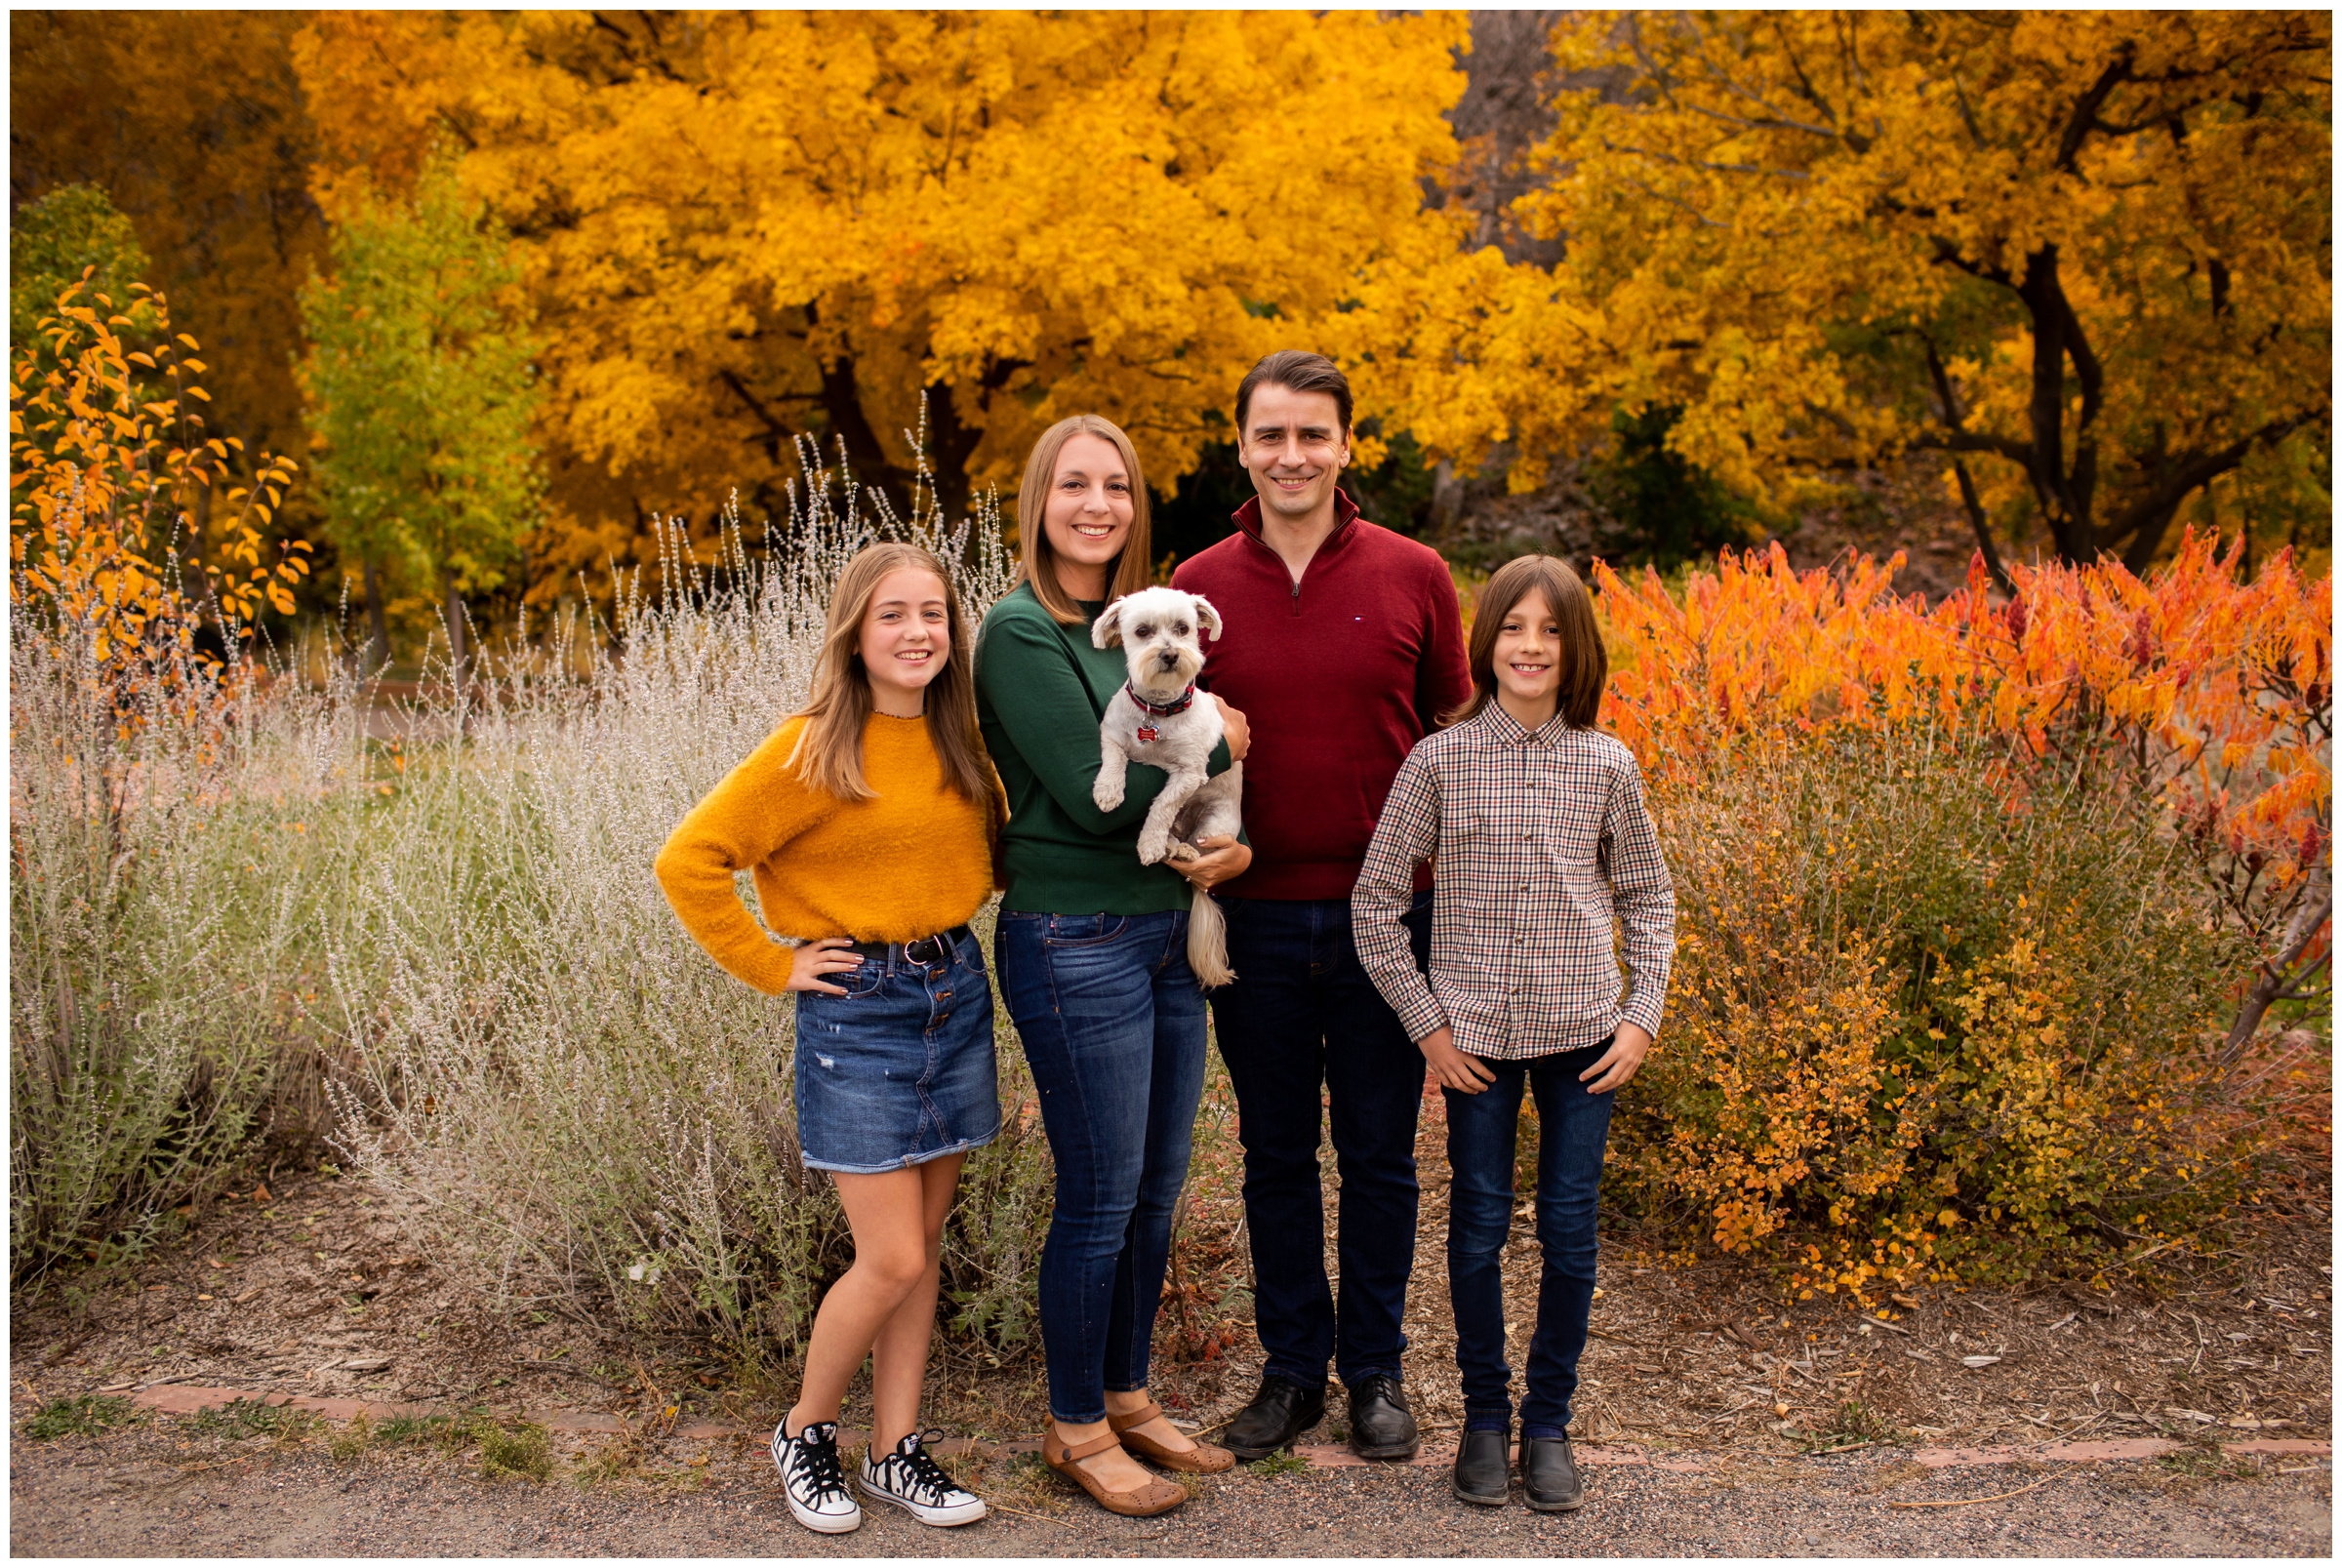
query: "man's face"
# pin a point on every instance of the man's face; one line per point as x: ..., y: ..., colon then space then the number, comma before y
x: 1294, y: 447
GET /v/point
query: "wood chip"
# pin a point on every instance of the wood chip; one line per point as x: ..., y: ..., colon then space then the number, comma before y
x: 1891, y: 1328
x: 1979, y: 1360
x: 248, y: 1295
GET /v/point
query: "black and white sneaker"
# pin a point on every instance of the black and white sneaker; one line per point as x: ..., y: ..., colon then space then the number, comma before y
x: 910, y: 1478
x: 813, y: 1479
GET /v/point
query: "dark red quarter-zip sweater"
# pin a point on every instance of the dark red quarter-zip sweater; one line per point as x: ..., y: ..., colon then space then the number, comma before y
x: 1338, y: 676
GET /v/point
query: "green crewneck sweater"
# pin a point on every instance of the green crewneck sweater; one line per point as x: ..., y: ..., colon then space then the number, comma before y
x: 1041, y: 691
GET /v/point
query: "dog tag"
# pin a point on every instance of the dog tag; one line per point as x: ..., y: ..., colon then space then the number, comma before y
x: 1147, y: 732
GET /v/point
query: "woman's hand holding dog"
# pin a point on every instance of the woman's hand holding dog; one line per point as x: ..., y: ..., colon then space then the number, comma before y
x: 1239, y: 741
x: 1465, y: 1074
x: 830, y: 955
x: 1221, y: 858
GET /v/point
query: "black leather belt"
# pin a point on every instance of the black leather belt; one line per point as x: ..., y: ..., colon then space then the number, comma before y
x: 927, y: 952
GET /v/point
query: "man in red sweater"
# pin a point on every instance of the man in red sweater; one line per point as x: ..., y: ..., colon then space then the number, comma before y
x: 1343, y: 648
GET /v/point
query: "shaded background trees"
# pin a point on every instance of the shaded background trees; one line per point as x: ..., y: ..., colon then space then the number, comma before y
x: 1634, y: 285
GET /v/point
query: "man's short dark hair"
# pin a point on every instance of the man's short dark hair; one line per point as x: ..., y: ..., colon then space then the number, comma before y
x: 1297, y: 370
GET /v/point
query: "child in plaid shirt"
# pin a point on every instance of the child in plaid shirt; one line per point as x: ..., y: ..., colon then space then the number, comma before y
x: 1535, y: 823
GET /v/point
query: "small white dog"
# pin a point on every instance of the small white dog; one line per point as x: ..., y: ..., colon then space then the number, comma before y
x: 1161, y: 719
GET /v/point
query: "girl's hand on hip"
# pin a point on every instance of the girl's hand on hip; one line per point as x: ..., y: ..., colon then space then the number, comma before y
x: 1222, y: 858
x: 1465, y: 1074
x: 1239, y: 732
x: 828, y: 955
x: 1618, y: 1065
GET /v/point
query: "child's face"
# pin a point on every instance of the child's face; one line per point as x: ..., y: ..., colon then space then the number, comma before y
x: 1529, y: 653
x: 906, y: 638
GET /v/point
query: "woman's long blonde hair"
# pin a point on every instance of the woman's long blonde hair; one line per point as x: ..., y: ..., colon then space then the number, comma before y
x: 1131, y: 571
x: 828, y: 752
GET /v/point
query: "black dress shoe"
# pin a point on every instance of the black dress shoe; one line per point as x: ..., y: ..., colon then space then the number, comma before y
x: 1549, y: 1476
x: 1279, y: 1413
x: 1381, y: 1427
x: 1484, y: 1467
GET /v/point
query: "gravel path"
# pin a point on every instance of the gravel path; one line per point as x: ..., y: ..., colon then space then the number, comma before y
x: 131, y: 1494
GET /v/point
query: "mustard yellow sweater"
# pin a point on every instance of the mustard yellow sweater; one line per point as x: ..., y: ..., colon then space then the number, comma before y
x: 907, y: 864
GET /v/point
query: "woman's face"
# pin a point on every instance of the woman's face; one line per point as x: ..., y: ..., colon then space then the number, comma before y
x: 1089, y: 513
x: 906, y: 638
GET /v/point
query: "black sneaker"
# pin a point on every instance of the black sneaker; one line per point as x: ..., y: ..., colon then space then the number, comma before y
x: 1484, y: 1467
x: 1381, y: 1427
x: 912, y: 1480
x: 813, y: 1480
x: 1549, y: 1476
x: 1279, y: 1413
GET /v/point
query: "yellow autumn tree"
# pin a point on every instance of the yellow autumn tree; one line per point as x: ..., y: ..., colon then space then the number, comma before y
x: 739, y: 228
x: 2087, y: 257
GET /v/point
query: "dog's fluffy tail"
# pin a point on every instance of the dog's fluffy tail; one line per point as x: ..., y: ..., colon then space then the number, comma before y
x: 1207, y: 942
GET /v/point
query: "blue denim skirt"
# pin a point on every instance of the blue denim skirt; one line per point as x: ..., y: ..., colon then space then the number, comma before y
x: 899, y: 1070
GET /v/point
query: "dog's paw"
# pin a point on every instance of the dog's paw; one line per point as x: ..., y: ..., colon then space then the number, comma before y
x: 1107, y: 793
x: 1153, y: 846
x: 1180, y: 851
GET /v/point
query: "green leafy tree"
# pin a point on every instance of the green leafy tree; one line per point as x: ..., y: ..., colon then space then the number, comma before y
x: 422, y: 390
x: 52, y: 241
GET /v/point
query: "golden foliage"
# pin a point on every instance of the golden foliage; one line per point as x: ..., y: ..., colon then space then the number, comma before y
x: 743, y: 227
x: 2082, y: 254
x: 111, y: 480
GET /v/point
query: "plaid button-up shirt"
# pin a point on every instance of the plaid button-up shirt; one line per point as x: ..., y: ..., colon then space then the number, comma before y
x: 1541, y: 841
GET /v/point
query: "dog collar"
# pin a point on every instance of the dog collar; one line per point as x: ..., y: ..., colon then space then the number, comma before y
x: 1186, y: 700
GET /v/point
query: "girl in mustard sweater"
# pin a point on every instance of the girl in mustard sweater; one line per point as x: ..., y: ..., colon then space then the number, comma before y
x: 868, y: 822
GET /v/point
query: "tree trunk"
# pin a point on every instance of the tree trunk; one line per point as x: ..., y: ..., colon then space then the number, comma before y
x: 378, y: 624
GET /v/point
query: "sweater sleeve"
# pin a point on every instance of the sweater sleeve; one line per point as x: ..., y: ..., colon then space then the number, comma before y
x: 757, y: 809
x: 1443, y: 679
x: 1404, y: 837
x: 1643, y: 895
x: 1040, y: 702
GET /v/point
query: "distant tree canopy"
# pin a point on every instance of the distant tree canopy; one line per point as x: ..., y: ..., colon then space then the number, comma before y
x: 738, y: 228
x: 2085, y: 257
x: 52, y: 242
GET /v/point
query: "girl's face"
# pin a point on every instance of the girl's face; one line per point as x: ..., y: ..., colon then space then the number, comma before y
x: 1529, y: 658
x: 906, y: 638
x: 1089, y: 513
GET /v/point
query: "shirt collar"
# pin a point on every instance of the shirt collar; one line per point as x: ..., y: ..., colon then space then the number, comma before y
x: 1506, y: 730
x: 1345, y: 517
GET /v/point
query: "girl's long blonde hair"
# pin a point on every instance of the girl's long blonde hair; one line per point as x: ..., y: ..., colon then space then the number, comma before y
x: 829, y: 751
x: 1132, y: 570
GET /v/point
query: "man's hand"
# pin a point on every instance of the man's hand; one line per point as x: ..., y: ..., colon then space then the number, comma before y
x: 1465, y: 1074
x: 830, y: 955
x: 1618, y: 1063
x: 1239, y: 732
x: 1221, y: 858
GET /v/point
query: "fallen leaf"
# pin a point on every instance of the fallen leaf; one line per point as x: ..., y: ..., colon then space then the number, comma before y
x: 1979, y: 1360
x: 1904, y: 1301
x: 260, y: 1194
x: 199, y: 1295
x: 214, y: 1263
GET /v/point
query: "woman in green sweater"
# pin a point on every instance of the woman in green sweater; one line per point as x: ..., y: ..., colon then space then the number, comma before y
x: 1092, y: 962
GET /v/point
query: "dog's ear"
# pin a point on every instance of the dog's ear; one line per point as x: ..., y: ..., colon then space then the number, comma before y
x: 1106, y: 630
x: 1207, y: 617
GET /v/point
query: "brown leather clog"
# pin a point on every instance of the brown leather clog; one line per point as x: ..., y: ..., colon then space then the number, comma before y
x: 1155, y: 1496
x: 1202, y: 1459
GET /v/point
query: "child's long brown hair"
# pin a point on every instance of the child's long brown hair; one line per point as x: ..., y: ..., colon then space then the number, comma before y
x: 1585, y: 663
x: 828, y: 753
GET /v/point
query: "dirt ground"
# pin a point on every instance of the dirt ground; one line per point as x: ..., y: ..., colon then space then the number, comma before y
x: 1722, y: 1418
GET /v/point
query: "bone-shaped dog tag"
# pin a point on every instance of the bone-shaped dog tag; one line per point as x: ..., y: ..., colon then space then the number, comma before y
x: 1147, y: 732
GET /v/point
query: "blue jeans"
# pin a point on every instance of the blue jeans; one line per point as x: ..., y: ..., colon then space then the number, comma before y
x: 1111, y: 1022
x: 1309, y: 1042
x: 1573, y: 1127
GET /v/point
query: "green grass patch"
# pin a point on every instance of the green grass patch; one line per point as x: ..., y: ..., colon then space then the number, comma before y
x: 81, y: 1415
